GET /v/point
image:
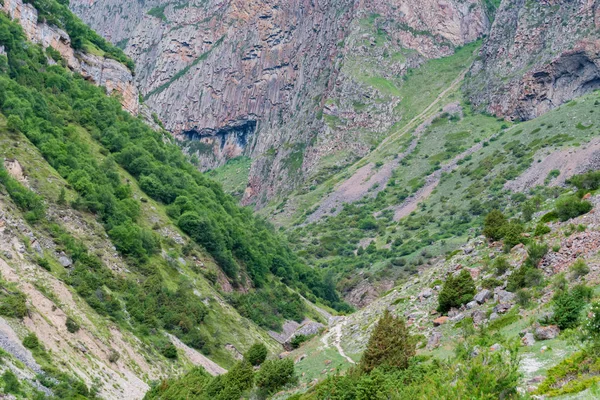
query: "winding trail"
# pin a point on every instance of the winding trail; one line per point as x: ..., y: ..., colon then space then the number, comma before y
x: 336, y: 332
x: 365, y: 180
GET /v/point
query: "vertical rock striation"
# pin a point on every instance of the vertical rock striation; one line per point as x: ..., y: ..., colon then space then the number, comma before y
x: 271, y: 79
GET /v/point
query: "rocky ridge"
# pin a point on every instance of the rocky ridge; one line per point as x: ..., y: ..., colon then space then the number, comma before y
x: 102, y: 71
x: 538, y: 56
x: 272, y: 80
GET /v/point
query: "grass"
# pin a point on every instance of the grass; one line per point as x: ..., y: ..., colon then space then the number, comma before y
x: 233, y: 175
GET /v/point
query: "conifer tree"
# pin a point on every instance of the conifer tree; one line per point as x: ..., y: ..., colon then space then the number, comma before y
x: 456, y: 291
x: 390, y: 345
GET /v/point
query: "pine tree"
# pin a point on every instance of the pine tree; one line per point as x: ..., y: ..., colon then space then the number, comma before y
x: 493, y: 225
x: 390, y: 345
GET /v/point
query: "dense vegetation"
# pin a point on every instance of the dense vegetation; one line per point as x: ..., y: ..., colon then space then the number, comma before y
x: 50, y: 106
x: 56, y: 12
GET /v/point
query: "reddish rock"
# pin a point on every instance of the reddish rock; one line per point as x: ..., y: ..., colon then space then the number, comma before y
x: 440, y: 321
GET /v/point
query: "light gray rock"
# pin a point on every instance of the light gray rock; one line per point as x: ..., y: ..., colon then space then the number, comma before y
x: 547, y: 332
x: 427, y: 293
x: 478, y: 316
x: 482, y: 296
x: 470, y: 305
x: 65, y: 261
x: 528, y: 339
x: 434, y: 339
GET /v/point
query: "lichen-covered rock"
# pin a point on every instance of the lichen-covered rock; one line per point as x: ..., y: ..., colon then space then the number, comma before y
x: 482, y: 296
x: 547, y: 332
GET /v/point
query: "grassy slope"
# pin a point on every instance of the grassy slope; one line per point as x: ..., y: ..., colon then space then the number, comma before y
x: 223, y: 324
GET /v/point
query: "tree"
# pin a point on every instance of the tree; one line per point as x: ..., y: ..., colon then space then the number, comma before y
x: 457, y: 291
x: 275, y: 374
x: 568, y: 305
x: 256, y: 354
x: 493, y: 225
x: 390, y: 345
x: 571, y: 207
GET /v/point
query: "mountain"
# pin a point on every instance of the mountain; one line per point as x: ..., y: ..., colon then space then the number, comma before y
x: 423, y: 178
x: 289, y: 84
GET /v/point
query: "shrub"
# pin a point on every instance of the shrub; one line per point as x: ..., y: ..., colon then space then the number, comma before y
x: 541, y: 229
x: 579, y: 269
x: 298, y: 340
x: 275, y: 374
x: 571, y: 207
x: 170, y: 351
x: 11, y: 382
x: 501, y: 265
x: 72, y: 325
x: 390, y: 345
x: 456, y: 291
x: 113, y: 356
x: 511, y: 232
x: 568, y: 305
x: 256, y: 354
x: 31, y: 341
x: 535, y: 254
x: 493, y: 225
x: 524, y: 277
x: 523, y: 297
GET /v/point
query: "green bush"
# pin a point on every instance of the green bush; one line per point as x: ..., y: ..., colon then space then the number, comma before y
x: 568, y: 305
x: 169, y: 351
x: 579, y: 269
x: 572, y: 207
x: 256, y: 354
x: 541, y: 229
x: 493, y: 226
x: 11, y: 382
x: 31, y: 341
x: 12, y: 301
x: 456, y: 291
x: 500, y: 266
x: 275, y: 374
x: 72, y: 325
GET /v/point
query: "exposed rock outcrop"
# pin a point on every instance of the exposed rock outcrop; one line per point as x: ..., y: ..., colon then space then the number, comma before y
x: 100, y: 70
x: 538, y: 56
x: 286, y: 82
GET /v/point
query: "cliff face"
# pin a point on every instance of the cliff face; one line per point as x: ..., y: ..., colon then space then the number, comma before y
x: 271, y: 79
x: 100, y: 70
x: 539, y: 54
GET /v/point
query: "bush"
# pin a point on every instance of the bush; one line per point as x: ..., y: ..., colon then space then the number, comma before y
x: 493, y: 225
x: 535, y: 254
x: 170, y: 351
x: 571, y: 207
x: 298, y: 340
x: 524, y: 277
x: 579, y: 269
x: 31, y: 341
x: 523, y: 297
x: 72, y: 325
x: 113, y: 356
x: 501, y: 265
x: 390, y: 345
x: 256, y: 354
x: 541, y: 229
x: 511, y: 233
x: 456, y: 291
x: 568, y: 305
x: 275, y: 374
x: 11, y: 383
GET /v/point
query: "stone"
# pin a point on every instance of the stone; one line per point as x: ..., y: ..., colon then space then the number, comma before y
x: 528, y: 339
x: 547, y: 332
x: 478, y: 316
x: 440, y: 321
x: 453, y: 312
x: 434, y: 340
x: 65, y: 261
x: 495, y: 347
x: 482, y: 296
x: 458, y: 317
x: 494, y: 316
x: 470, y: 305
x: 503, y: 296
x: 425, y: 294
x: 38, y: 248
x: 502, y: 308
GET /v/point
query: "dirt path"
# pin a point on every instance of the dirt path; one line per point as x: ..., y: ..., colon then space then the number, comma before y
x: 336, y: 332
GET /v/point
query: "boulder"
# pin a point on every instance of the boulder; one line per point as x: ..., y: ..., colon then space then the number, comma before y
x: 546, y: 332
x: 65, y: 261
x: 482, y: 296
x: 434, y: 340
x: 425, y: 294
x: 478, y: 316
x: 440, y: 321
x: 495, y: 347
x: 458, y: 317
x: 502, y: 296
x: 453, y: 312
x: 528, y: 339
x: 470, y: 305
x: 502, y: 308
x: 494, y: 316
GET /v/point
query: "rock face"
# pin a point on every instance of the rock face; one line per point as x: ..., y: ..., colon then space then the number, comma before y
x: 539, y: 55
x: 100, y: 70
x: 286, y: 82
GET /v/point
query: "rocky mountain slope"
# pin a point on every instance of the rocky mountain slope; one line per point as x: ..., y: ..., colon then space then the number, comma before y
x: 286, y: 83
x: 537, y: 56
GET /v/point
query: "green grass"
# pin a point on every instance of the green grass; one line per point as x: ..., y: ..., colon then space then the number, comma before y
x: 233, y: 175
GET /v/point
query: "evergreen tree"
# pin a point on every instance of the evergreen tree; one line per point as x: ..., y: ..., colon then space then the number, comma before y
x: 493, y: 225
x: 456, y: 291
x: 256, y: 354
x: 390, y: 345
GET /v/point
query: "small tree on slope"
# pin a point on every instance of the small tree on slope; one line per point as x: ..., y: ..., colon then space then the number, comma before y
x: 390, y: 345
